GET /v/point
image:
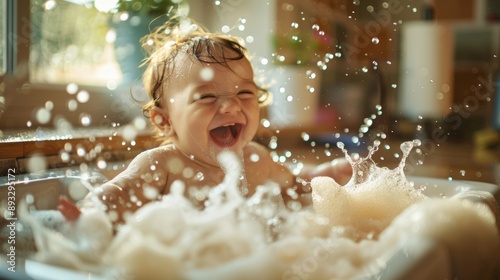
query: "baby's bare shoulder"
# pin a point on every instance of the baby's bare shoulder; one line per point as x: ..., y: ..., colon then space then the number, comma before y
x: 258, y: 153
x: 155, y: 158
x: 158, y: 154
x: 256, y: 148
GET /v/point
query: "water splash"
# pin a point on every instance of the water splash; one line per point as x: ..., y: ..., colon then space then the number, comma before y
x: 347, y: 229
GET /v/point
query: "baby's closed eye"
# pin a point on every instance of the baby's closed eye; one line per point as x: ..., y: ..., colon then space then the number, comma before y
x: 245, y: 94
x: 205, y: 97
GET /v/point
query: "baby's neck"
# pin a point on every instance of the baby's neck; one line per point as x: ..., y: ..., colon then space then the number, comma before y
x: 196, y: 161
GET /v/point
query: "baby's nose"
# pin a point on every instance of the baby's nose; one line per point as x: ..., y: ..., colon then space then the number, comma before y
x: 229, y: 104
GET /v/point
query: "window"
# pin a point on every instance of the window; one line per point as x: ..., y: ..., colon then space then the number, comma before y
x: 72, y: 43
x: 59, y: 67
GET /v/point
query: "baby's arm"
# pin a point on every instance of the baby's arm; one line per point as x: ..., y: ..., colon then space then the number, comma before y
x: 124, y: 194
x: 297, y: 187
x: 339, y: 169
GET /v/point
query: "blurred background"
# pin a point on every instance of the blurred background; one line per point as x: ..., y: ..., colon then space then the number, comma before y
x: 337, y: 68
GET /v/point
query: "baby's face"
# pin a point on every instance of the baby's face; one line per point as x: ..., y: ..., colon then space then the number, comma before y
x: 212, y: 107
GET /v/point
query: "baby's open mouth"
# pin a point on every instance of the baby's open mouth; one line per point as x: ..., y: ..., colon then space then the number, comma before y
x: 226, y: 135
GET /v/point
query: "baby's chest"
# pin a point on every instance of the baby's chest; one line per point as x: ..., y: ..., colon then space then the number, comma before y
x: 198, y: 183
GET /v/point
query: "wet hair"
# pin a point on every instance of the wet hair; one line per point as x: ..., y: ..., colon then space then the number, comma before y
x: 178, y: 36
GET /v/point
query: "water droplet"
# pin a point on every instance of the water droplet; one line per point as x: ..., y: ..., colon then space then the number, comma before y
x: 311, y: 74
x: 36, y: 164
x: 254, y: 158
x: 72, y: 105
x: 72, y: 88
x: 65, y: 157
x: 207, y: 74
x: 315, y: 27
x: 375, y: 40
x: 265, y: 123
x: 188, y: 172
x: 85, y: 119
x: 273, y: 143
x: 158, y: 119
x: 101, y: 163
x: 150, y: 192
x: 49, y: 105
x: 304, y: 136
x: 199, y: 176
x: 282, y: 159
x: 83, y: 96
x: 340, y: 145
x: 140, y: 123
x: 43, y: 115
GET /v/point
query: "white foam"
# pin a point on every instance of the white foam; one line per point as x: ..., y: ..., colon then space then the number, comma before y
x: 258, y: 238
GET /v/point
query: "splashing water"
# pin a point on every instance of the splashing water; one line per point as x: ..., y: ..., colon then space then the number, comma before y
x: 341, y: 237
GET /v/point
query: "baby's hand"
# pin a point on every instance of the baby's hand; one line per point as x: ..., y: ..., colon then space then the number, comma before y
x: 68, y: 209
x: 339, y: 169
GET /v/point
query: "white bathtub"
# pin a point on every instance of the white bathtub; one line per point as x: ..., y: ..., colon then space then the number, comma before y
x: 428, y: 260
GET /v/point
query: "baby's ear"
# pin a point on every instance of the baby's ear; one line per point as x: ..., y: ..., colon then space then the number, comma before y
x: 161, y: 120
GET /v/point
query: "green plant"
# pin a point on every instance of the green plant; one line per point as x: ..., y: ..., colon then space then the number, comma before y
x: 151, y: 7
x: 148, y: 6
x: 300, y: 47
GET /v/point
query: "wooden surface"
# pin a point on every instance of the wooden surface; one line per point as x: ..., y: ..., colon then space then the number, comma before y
x: 458, y: 161
x: 449, y: 160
